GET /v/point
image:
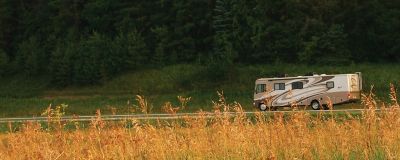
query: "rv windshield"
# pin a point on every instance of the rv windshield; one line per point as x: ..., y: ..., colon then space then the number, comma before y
x: 260, y: 88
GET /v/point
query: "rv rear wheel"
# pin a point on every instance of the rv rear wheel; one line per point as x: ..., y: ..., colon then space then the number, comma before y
x: 315, y: 105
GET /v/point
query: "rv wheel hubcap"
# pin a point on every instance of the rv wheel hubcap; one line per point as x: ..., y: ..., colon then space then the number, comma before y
x: 263, y: 107
x: 315, y: 105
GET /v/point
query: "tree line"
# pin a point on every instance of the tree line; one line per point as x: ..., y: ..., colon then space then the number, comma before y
x: 85, y: 41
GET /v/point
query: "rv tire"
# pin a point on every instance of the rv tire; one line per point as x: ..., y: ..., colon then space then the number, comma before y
x: 262, y: 107
x: 315, y: 105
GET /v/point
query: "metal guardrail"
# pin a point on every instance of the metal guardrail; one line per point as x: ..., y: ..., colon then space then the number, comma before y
x: 159, y: 116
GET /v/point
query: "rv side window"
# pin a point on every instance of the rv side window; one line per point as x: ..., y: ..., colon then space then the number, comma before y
x: 260, y: 88
x: 297, y: 85
x: 330, y: 84
x: 279, y: 86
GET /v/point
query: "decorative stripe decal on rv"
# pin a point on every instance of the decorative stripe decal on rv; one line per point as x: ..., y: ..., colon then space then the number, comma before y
x: 325, y: 78
x: 284, y: 98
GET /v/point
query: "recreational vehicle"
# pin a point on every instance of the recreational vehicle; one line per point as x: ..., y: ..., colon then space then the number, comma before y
x: 314, y: 90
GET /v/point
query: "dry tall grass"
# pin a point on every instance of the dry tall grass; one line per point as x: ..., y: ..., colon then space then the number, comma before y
x: 372, y: 135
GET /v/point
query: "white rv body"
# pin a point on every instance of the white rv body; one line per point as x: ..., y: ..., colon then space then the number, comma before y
x: 271, y: 93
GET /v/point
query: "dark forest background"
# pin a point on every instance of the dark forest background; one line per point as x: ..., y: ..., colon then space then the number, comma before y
x: 87, y: 41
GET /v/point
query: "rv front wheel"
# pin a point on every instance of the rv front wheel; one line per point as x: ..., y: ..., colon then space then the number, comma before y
x: 263, y: 107
x: 315, y: 105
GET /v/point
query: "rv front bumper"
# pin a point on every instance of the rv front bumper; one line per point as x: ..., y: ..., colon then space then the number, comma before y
x: 256, y: 103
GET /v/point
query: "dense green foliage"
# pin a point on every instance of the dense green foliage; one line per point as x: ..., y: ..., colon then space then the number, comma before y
x: 20, y: 96
x: 87, y: 41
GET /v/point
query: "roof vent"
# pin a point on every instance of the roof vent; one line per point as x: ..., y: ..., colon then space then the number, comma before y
x: 311, y: 74
x: 280, y: 75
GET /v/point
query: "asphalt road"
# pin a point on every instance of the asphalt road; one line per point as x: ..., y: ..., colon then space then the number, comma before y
x: 164, y: 116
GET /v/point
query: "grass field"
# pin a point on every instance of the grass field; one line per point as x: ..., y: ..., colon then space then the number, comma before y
x: 372, y: 135
x: 28, y: 96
